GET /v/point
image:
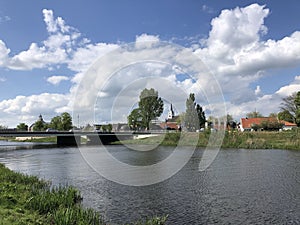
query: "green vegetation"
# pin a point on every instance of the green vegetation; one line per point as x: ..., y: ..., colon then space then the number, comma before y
x: 150, y: 107
x: 290, y: 107
x: 232, y: 139
x: 27, y: 200
x: 62, y: 122
x: 194, y: 117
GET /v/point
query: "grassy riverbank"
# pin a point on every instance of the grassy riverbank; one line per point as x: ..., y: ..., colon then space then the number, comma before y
x: 34, y: 139
x: 247, y: 140
x: 28, y: 200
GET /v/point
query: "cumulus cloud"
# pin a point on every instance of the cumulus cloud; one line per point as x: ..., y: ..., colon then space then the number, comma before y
x: 55, y: 80
x: 234, y: 52
x: 12, y: 111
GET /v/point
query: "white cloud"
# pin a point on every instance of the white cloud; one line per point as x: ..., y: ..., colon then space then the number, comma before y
x: 55, y: 25
x: 4, y: 51
x: 55, y: 80
x: 234, y: 52
x: 13, y: 111
x: 2, y: 79
x: 4, y: 19
x: 146, y: 40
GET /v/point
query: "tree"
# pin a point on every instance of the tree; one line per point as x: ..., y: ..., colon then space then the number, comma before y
x: 66, y: 121
x: 286, y: 116
x: 254, y: 114
x: 290, y: 105
x: 194, y: 115
x: 39, y: 126
x: 62, y: 122
x: 297, y: 104
x: 135, y: 119
x: 22, y: 127
x: 273, y: 115
x: 150, y: 107
x: 201, y: 115
x: 56, y: 123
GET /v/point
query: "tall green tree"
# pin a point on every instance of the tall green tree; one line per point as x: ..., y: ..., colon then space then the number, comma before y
x: 22, y: 127
x: 191, y: 119
x: 135, y: 119
x: 66, y: 121
x: 62, y: 122
x: 291, y: 104
x: 201, y: 115
x: 39, y: 126
x: 150, y: 107
x: 55, y: 123
x: 286, y: 115
x: 297, y: 104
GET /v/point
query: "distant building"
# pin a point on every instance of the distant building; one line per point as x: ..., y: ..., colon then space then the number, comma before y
x: 30, y: 128
x: 288, y: 125
x: 171, y: 122
x: 247, y: 124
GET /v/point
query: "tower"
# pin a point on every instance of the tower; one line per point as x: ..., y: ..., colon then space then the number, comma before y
x: 171, y: 113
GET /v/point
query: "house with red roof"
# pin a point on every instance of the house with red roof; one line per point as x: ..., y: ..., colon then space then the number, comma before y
x: 249, y: 124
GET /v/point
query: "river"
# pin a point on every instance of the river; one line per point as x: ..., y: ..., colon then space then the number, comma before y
x: 239, y: 187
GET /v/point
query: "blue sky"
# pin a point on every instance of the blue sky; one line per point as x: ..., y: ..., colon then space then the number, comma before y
x: 252, y: 47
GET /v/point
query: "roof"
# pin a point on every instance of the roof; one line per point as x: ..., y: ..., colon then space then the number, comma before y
x: 170, y: 125
x: 288, y: 124
x: 248, y: 122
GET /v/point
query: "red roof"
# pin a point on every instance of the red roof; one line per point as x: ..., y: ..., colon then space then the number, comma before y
x: 170, y: 125
x: 248, y: 122
x: 288, y: 124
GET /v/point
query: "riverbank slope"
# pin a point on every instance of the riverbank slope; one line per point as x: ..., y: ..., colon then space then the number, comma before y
x: 240, y: 140
x: 27, y: 200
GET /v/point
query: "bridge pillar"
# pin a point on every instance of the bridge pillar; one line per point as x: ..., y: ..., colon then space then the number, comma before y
x: 68, y: 141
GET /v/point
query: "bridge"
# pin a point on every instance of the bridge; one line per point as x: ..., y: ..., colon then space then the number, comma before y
x: 65, y: 138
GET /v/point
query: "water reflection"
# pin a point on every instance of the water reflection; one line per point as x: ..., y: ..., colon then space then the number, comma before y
x: 240, y: 187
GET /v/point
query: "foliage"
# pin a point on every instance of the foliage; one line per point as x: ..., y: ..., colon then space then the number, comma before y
x: 233, y: 139
x: 273, y: 115
x: 66, y: 121
x: 27, y: 200
x: 254, y: 114
x: 106, y: 128
x: 291, y: 104
x: 201, y: 115
x: 286, y: 116
x: 22, y: 127
x: 150, y: 107
x: 39, y: 126
x: 56, y: 123
x: 135, y: 119
x: 62, y: 122
x: 194, y: 114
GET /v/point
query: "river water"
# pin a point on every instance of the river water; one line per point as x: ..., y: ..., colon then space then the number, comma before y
x: 239, y: 187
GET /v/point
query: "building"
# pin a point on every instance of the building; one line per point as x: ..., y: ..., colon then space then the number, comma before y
x: 249, y: 124
x: 171, y: 122
x: 30, y: 128
x: 288, y: 125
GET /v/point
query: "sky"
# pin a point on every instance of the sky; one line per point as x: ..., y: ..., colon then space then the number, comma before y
x: 250, y: 51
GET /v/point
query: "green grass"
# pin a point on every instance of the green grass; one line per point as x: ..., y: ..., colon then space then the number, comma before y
x: 26, y: 200
x: 233, y: 139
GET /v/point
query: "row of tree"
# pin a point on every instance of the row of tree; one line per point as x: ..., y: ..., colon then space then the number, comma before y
x: 62, y: 122
x: 151, y: 106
